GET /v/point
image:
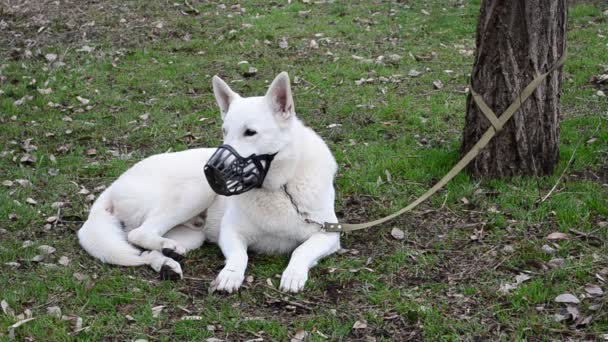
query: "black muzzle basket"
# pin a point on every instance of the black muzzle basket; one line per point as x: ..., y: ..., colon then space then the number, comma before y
x: 229, y: 174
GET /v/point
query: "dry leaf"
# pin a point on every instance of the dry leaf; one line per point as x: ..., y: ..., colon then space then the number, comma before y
x: 548, y: 249
x: 7, y: 309
x: 57, y: 205
x: 54, y: 311
x: 283, y: 44
x: 27, y: 159
x: 437, y: 84
x: 50, y: 57
x: 8, y: 183
x: 80, y: 277
x: 83, y: 100
x: 594, y: 290
x: 64, y: 261
x: 567, y: 298
x: 300, y: 335
x: 360, y: 325
x: 558, y: 236
x: 47, y: 249
x: 573, y: 311
x: 521, y: 278
x: 31, y: 201
x: 11, y: 329
x: 556, y: 263
x: 86, y: 49
x: 397, y: 233
x: 156, y: 310
x: 37, y: 258
x: 23, y: 182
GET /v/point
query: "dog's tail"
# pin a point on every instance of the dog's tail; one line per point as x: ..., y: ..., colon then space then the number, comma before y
x: 102, y: 236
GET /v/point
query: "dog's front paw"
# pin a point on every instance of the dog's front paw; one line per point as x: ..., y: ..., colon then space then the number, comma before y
x: 293, y: 280
x: 228, y: 281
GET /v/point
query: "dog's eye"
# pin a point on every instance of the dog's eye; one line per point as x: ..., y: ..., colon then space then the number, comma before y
x: 249, y: 133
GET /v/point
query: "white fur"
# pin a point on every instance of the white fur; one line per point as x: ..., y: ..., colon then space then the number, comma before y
x: 155, y: 204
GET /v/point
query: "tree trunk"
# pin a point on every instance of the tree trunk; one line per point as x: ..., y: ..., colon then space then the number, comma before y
x: 516, y: 41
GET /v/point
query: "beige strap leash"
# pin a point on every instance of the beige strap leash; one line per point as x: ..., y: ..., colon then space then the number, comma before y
x: 497, y: 124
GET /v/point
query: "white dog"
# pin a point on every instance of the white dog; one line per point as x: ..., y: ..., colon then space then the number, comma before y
x: 165, y: 205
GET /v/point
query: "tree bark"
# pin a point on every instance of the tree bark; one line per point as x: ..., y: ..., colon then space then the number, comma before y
x: 516, y: 41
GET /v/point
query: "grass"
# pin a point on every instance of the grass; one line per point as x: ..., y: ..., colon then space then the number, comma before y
x: 148, y: 83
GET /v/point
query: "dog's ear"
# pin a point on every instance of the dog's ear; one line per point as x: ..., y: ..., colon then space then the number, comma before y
x: 223, y: 94
x: 279, y: 96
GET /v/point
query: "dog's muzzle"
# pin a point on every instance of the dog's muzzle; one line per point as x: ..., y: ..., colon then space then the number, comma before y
x: 230, y: 174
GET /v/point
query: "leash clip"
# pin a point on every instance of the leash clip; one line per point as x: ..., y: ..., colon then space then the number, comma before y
x: 331, y: 227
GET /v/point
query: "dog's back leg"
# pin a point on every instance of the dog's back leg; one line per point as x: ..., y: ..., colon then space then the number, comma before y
x: 152, y: 234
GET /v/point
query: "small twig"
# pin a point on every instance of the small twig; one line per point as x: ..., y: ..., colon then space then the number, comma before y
x: 566, y: 168
x: 445, y: 199
x: 544, y: 198
x: 290, y: 302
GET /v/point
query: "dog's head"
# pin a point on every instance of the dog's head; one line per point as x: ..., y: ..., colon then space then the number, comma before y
x: 256, y: 125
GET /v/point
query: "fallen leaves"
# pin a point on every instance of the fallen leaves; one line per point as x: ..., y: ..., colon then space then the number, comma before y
x: 54, y: 311
x: 283, y: 43
x: 397, y: 233
x: 360, y: 325
x: 557, y: 236
x: 414, y: 73
x: 86, y: 48
x: 246, y: 69
x: 437, y: 84
x: 594, y: 290
x: 83, y: 100
x: 157, y: 310
x: 300, y: 335
x: 556, y: 263
x: 11, y: 329
x: 50, y: 57
x: 46, y: 249
x: 567, y: 298
x: 27, y: 159
x: 7, y: 309
x: 519, y: 279
x: 64, y: 261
